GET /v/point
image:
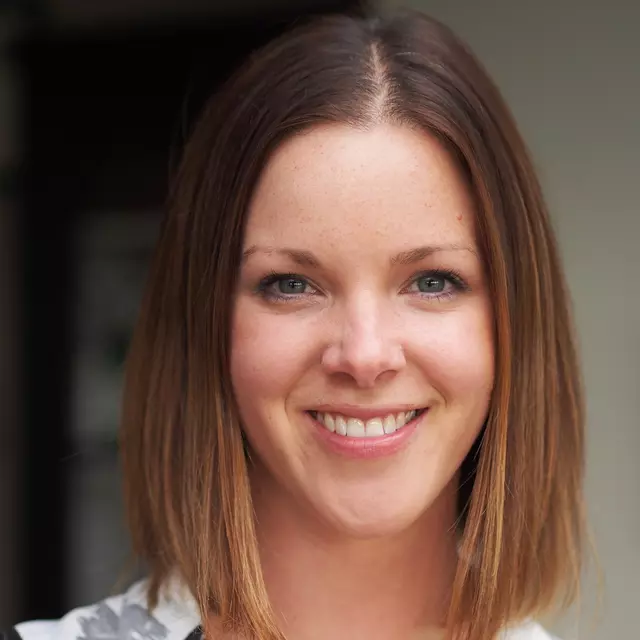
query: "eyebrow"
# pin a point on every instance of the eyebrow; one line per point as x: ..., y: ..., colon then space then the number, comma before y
x: 419, y: 253
x: 308, y: 259
x: 300, y: 257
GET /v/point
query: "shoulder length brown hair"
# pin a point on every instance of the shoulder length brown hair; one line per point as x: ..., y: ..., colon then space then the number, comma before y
x: 185, y: 472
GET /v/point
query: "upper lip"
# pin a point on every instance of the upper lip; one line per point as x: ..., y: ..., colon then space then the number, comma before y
x: 366, y: 413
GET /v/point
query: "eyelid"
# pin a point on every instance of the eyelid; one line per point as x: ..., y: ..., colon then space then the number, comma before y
x: 457, y: 282
x: 454, y: 278
x: 263, y: 287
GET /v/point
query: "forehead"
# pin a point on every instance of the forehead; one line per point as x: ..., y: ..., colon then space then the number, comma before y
x: 337, y: 184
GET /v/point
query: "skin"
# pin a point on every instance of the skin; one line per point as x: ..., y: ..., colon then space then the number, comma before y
x: 360, y: 548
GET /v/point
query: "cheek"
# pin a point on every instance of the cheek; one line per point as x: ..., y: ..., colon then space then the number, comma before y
x: 459, y: 355
x: 268, y: 353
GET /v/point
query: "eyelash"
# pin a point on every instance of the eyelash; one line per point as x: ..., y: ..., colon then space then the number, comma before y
x: 273, y: 278
x: 456, y: 281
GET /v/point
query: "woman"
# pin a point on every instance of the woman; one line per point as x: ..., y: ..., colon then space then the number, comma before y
x: 352, y: 408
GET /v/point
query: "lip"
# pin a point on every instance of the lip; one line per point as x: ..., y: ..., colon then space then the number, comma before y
x: 366, y: 448
x: 365, y: 413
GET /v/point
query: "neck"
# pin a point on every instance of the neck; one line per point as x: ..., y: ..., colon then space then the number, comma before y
x: 324, y: 584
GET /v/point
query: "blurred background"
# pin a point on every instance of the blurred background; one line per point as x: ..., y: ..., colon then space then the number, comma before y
x: 95, y: 100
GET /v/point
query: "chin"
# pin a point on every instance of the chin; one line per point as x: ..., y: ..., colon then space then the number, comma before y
x: 375, y: 517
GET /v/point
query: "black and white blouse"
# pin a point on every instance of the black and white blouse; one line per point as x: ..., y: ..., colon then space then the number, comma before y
x: 127, y: 617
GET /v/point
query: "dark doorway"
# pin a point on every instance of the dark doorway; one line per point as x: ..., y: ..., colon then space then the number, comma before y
x: 107, y: 110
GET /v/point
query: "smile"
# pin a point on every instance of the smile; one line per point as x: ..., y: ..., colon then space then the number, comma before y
x: 375, y: 427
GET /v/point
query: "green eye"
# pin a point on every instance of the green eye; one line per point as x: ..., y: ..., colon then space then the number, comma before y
x: 431, y: 284
x: 437, y: 284
x: 291, y: 286
x: 285, y: 287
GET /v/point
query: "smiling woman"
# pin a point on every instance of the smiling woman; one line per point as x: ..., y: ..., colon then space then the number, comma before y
x: 353, y: 408
x: 374, y: 330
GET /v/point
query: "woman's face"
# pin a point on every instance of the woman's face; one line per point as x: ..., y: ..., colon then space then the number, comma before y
x: 362, y: 348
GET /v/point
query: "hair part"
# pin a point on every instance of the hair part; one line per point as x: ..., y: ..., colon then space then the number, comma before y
x: 185, y: 470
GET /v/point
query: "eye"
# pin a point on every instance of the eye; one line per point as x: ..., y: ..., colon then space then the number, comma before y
x: 290, y: 285
x: 284, y: 287
x: 431, y: 284
x: 437, y: 284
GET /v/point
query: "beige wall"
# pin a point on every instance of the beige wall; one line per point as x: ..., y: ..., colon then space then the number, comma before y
x: 571, y: 71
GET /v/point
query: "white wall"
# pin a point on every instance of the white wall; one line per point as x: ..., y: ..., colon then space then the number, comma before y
x: 571, y: 71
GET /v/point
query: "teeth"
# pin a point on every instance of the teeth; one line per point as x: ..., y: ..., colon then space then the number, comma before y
x: 355, y: 428
x: 329, y: 422
x: 374, y: 428
x: 341, y: 425
x: 390, y: 424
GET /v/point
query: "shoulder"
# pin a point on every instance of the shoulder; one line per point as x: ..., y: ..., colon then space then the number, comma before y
x: 527, y: 631
x: 122, y: 617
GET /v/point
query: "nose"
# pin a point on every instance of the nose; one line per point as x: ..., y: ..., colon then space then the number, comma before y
x: 366, y: 344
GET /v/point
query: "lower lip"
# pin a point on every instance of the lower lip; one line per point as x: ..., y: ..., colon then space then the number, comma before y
x: 377, y: 447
